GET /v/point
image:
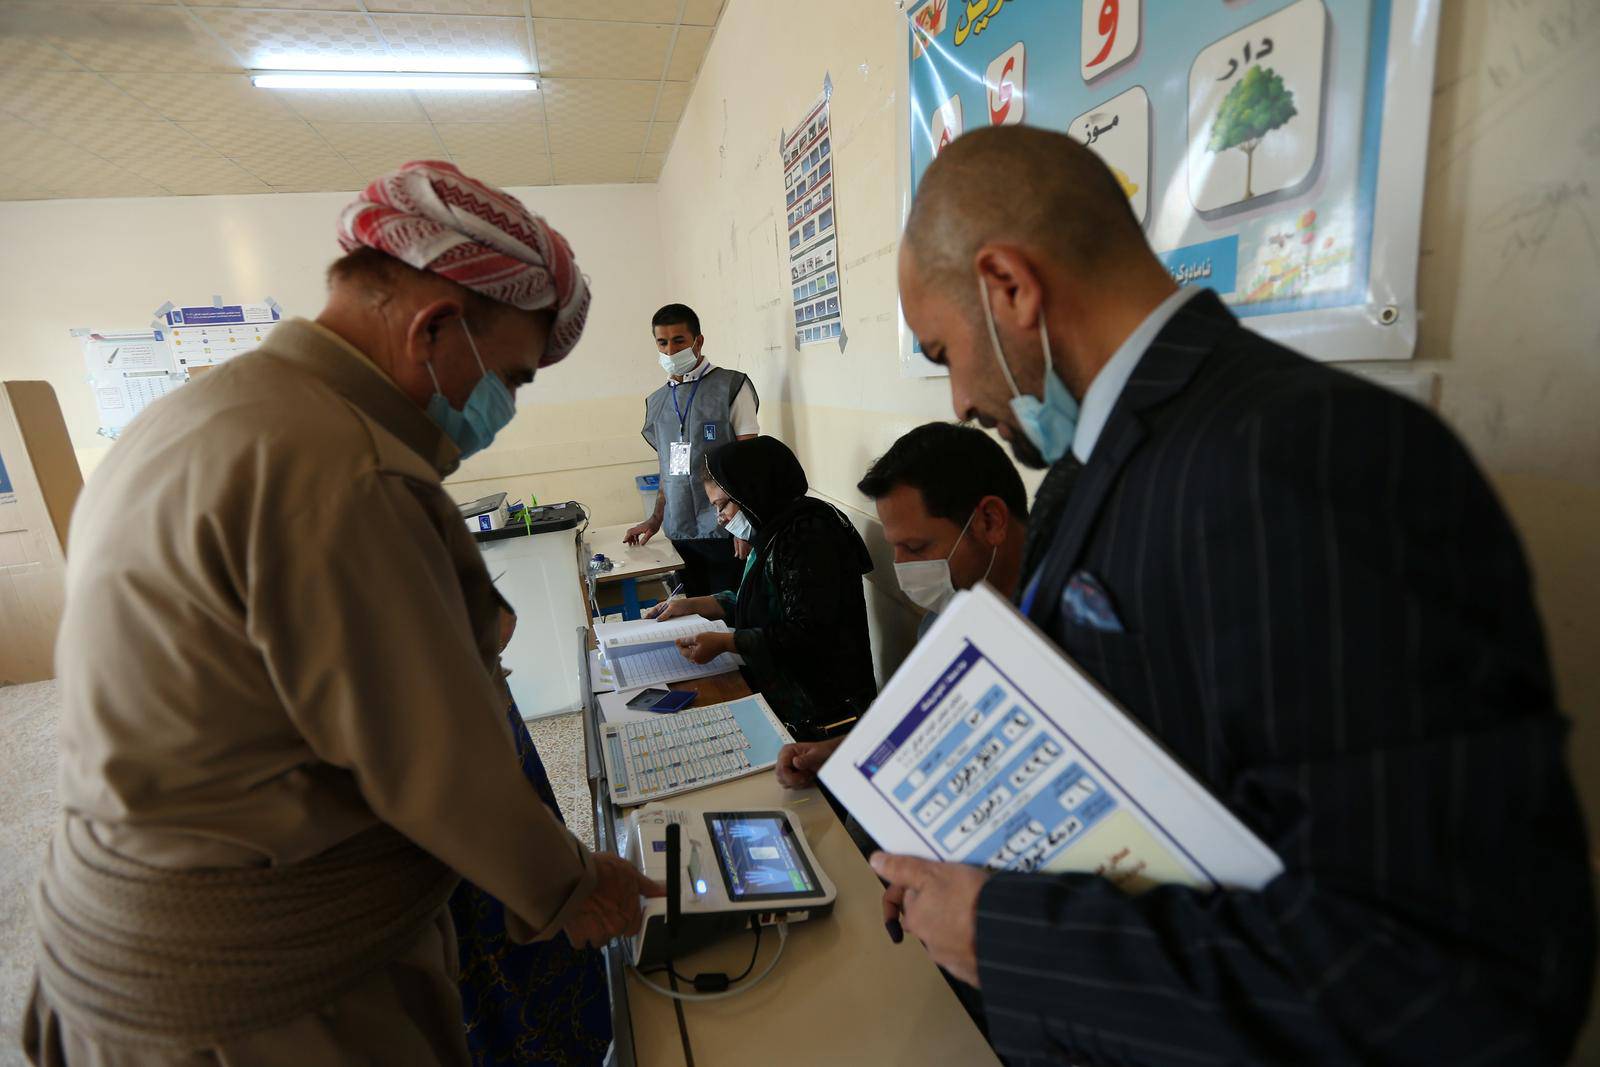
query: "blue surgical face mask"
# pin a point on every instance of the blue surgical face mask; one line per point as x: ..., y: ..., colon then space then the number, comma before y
x: 489, y: 407
x: 741, y: 528
x: 1050, y: 424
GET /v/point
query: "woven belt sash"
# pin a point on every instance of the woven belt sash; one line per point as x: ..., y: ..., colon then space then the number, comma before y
x: 191, y: 958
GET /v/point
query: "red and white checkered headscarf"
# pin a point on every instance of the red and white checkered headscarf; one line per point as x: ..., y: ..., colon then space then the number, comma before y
x: 432, y: 217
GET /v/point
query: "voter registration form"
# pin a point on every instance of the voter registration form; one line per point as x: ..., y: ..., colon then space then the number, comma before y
x: 988, y: 747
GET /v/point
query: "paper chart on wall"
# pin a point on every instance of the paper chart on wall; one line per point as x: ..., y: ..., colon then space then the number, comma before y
x: 128, y: 370
x: 203, y: 337
x: 808, y: 192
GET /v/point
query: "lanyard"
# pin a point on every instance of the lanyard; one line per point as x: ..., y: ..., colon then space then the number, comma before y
x: 683, y: 415
x: 1031, y: 594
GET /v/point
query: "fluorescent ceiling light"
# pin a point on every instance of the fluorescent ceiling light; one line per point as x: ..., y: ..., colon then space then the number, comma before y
x: 368, y: 80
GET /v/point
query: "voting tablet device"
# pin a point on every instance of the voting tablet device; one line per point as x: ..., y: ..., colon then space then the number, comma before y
x: 760, y: 857
x: 721, y: 869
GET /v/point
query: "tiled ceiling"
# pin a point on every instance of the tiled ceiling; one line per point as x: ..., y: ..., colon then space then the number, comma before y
x: 132, y: 98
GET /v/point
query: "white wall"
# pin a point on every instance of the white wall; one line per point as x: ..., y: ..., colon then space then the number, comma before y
x: 107, y: 264
x: 1510, y: 270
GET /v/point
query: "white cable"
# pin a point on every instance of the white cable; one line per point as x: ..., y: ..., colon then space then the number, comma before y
x: 742, y: 987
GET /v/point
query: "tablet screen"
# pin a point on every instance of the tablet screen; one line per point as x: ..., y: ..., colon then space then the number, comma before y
x: 759, y: 857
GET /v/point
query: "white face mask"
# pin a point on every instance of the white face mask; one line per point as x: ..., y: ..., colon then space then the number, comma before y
x: 927, y: 582
x: 741, y: 528
x: 678, y: 363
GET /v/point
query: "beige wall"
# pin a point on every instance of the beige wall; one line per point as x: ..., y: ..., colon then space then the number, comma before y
x: 1509, y: 276
x: 106, y: 264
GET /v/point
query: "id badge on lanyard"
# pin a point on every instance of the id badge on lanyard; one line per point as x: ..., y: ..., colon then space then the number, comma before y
x: 678, y: 455
x: 678, y: 459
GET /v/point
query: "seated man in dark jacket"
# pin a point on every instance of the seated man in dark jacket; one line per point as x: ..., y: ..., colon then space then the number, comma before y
x: 799, y: 617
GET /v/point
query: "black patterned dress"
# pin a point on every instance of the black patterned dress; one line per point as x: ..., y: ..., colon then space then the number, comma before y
x: 543, y: 1003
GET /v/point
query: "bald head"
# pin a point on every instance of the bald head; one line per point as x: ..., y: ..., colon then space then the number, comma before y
x: 1035, y: 223
x: 1020, y: 186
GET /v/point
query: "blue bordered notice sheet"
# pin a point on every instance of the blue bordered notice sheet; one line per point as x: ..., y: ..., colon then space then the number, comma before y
x: 991, y: 748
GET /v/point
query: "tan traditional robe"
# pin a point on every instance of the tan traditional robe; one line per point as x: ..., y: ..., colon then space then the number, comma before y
x: 279, y: 633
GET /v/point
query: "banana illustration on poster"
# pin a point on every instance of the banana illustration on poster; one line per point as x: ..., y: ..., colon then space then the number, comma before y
x: 1273, y: 151
x: 1118, y: 131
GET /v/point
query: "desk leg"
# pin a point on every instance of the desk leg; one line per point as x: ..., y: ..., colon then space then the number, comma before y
x: 630, y: 598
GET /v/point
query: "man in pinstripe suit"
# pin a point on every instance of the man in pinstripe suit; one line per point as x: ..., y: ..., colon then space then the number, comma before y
x: 1305, y: 589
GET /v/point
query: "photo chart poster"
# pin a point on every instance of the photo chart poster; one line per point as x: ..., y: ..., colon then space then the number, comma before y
x: 808, y: 184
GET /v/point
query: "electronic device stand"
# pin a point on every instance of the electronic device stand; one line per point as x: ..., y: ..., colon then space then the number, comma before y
x: 724, y: 871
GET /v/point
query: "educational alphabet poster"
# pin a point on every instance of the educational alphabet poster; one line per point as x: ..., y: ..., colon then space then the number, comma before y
x: 1264, y: 145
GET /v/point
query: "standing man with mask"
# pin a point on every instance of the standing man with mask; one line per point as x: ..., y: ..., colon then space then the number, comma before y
x: 1302, y: 586
x: 955, y: 513
x: 699, y: 408
x: 281, y: 731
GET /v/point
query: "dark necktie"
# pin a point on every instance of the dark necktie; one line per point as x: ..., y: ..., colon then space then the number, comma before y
x: 1049, y: 508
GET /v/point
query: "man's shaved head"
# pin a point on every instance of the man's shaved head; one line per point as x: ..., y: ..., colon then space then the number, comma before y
x: 1037, y: 224
x: 1017, y: 185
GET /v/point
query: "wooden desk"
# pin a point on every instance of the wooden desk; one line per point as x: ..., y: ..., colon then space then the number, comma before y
x: 634, y: 563
x: 843, y: 992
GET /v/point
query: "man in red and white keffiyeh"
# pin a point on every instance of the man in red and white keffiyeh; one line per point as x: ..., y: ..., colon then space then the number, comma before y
x: 432, y: 217
x: 321, y: 753
x: 457, y: 292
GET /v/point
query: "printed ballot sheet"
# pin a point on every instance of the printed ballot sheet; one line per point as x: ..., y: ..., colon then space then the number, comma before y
x: 644, y: 652
x: 646, y: 633
x: 989, y: 747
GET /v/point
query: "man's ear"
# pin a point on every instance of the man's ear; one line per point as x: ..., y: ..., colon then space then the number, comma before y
x: 427, y: 327
x: 699, y: 343
x: 1013, y: 287
x: 991, y: 520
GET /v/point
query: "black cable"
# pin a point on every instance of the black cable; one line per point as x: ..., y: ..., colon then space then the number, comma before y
x: 753, y: 953
x: 715, y: 981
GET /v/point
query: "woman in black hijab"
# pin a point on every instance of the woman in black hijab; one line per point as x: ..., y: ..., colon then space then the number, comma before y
x: 799, y: 617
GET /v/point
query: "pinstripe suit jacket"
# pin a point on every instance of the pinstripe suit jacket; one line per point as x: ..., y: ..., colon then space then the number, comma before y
x: 1328, y: 620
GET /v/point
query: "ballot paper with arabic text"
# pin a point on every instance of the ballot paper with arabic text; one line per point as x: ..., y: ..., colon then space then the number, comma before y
x: 989, y: 747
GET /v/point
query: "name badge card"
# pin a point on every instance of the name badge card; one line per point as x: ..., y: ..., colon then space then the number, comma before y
x: 678, y: 459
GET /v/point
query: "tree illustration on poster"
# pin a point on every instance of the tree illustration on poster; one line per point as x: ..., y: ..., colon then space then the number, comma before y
x: 1257, y: 104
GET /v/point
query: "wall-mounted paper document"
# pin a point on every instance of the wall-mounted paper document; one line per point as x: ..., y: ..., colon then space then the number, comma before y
x: 128, y: 370
x: 989, y: 747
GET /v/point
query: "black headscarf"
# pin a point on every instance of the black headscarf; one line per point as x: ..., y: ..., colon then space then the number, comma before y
x: 765, y: 479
